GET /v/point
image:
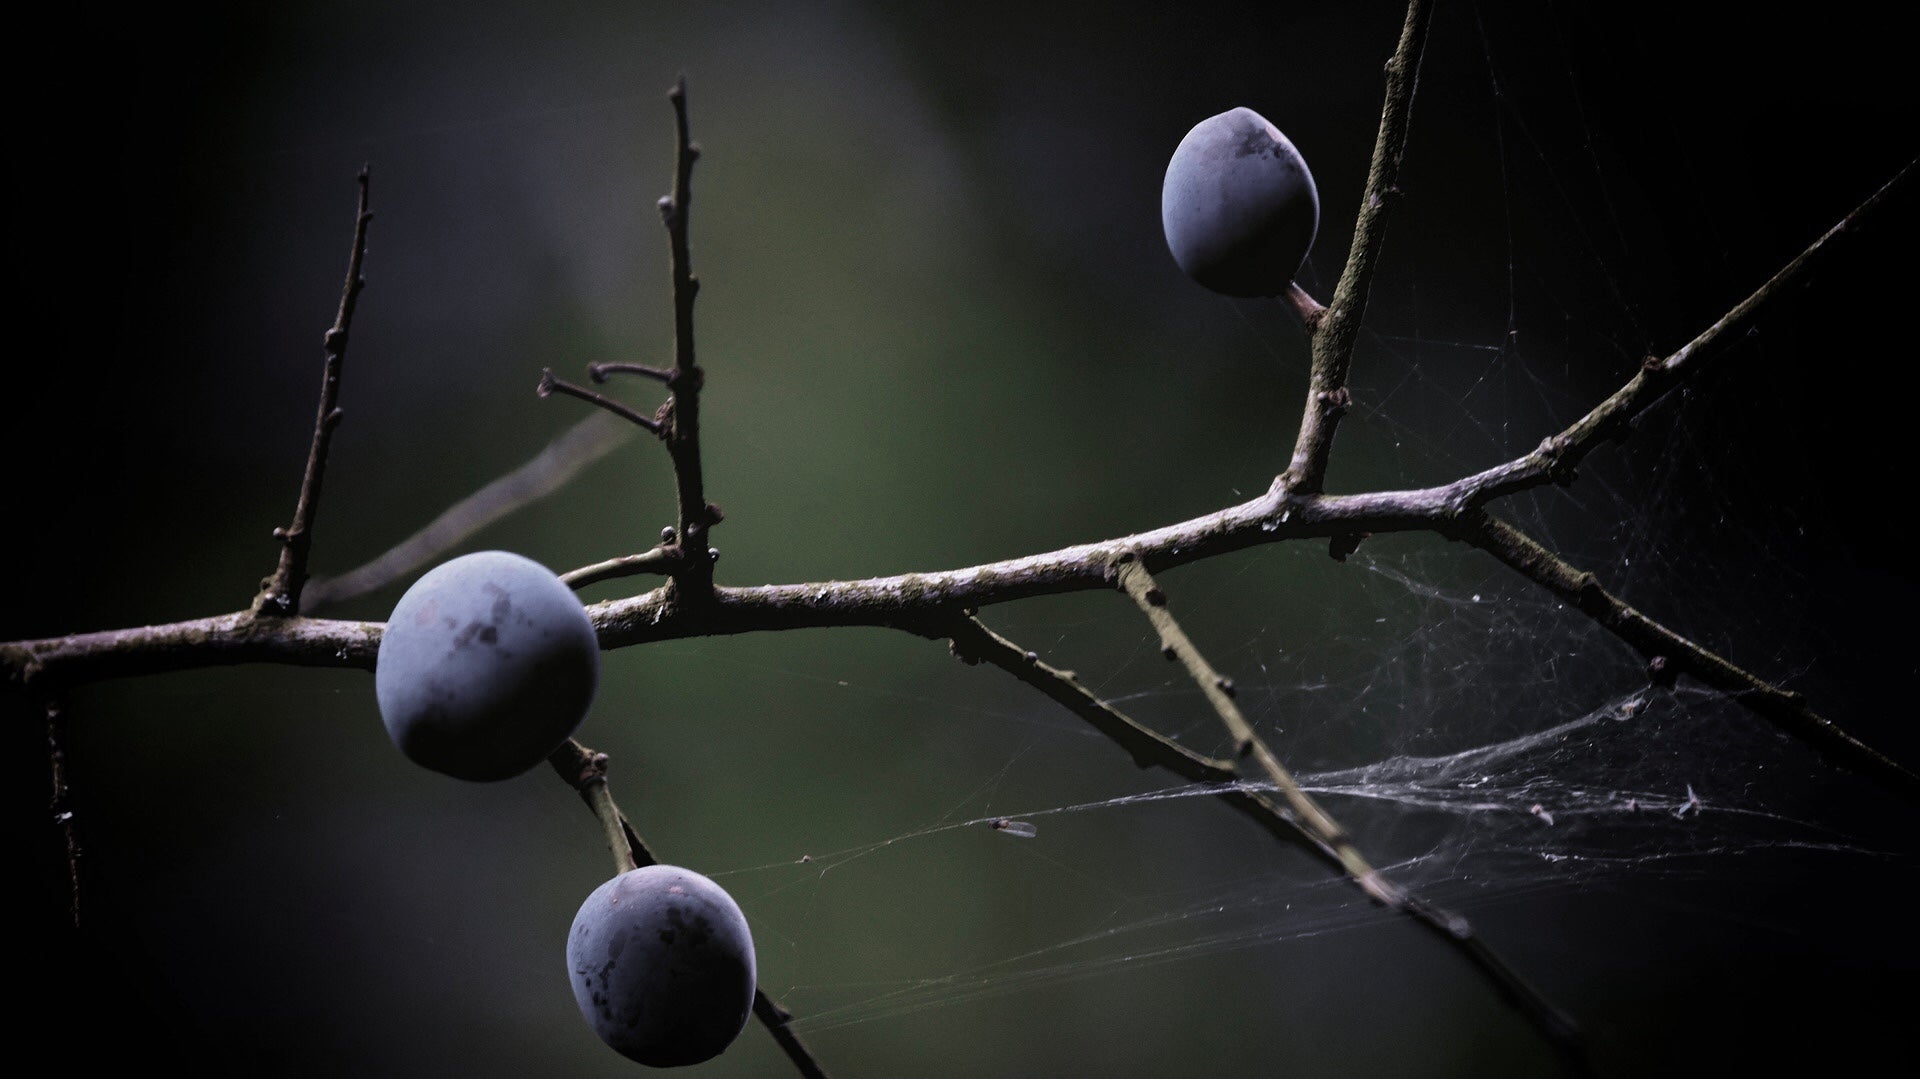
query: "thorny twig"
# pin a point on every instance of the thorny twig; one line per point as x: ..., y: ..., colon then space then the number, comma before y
x: 1669, y: 654
x: 1336, y: 328
x: 551, y: 384
x: 1557, y: 457
x: 683, y: 554
x: 693, y: 579
x: 59, y: 802
x: 280, y: 593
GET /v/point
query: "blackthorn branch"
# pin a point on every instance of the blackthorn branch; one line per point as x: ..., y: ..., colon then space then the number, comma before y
x: 939, y: 605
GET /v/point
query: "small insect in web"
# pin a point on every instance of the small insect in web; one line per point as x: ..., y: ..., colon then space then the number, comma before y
x: 1023, y: 829
x: 1692, y: 803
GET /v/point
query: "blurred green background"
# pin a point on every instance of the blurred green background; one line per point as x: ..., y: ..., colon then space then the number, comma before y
x: 941, y: 327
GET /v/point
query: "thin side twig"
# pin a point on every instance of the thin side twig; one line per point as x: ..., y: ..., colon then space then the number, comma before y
x: 1319, y: 828
x: 585, y: 770
x: 1556, y: 458
x: 1669, y: 654
x: 551, y: 384
x: 972, y: 642
x: 694, y: 575
x: 58, y: 801
x: 1310, y: 310
x: 657, y: 560
x: 1134, y: 579
x: 280, y: 593
x: 599, y: 371
x: 685, y: 555
x: 1336, y: 330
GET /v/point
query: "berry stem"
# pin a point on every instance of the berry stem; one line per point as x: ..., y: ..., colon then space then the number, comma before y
x: 585, y: 770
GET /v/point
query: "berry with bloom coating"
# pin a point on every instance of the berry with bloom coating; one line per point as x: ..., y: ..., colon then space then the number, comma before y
x: 488, y: 663
x: 1239, y: 207
x: 662, y: 965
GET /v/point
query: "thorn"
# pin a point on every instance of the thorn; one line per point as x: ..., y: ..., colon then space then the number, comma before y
x: 1226, y: 686
x: 713, y: 554
x: 1589, y: 588
x: 545, y: 388
x: 666, y: 534
x: 1032, y: 658
x: 692, y: 380
x: 1167, y: 651
x: 333, y: 418
x: 1337, y: 400
x: 1343, y: 545
x: 714, y: 516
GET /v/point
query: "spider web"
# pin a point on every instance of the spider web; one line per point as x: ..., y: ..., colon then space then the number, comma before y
x: 1486, y: 745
